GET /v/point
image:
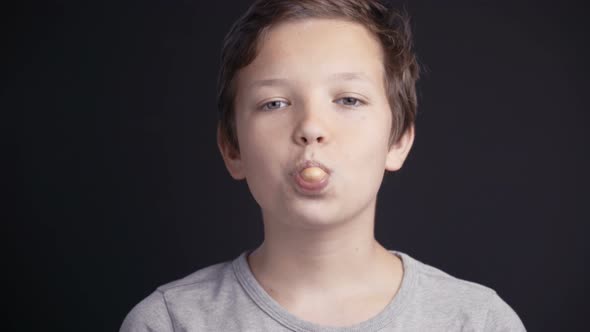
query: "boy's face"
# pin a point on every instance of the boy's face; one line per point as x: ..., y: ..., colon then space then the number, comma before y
x: 315, y: 91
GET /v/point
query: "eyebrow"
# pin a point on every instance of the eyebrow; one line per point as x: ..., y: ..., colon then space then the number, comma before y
x: 344, y: 76
x: 350, y: 76
x: 269, y: 82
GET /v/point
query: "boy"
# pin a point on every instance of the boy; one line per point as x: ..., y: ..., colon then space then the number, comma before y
x: 317, y: 101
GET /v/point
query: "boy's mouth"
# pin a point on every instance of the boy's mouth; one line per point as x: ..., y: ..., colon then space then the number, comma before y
x: 311, y: 177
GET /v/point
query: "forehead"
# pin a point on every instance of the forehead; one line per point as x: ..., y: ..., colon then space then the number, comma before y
x: 311, y: 50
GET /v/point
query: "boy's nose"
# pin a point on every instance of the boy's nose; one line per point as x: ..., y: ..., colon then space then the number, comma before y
x: 310, y: 130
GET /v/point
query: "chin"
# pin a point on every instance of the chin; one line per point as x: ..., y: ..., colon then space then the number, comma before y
x: 314, y: 216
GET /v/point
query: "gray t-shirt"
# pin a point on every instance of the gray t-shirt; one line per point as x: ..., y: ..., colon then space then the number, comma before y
x: 227, y: 297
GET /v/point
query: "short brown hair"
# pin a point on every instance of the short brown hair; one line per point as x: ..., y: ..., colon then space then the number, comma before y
x: 391, y: 28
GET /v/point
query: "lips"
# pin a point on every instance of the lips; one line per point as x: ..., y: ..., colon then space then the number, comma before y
x: 311, y: 177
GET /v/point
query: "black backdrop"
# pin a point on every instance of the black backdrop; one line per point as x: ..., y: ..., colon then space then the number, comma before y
x: 122, y: 187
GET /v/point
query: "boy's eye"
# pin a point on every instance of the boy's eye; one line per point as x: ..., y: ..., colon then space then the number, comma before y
x: 275, y: 104
x: 349, y: 101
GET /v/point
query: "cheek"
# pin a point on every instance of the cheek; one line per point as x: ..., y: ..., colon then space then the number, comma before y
x: 365, y: 150
x: 368, y: 135
x: 262, y: 154
x: 261, y: 144
x: 257, y: 163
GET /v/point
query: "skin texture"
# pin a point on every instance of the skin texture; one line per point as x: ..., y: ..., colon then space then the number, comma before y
x: 315, y: 92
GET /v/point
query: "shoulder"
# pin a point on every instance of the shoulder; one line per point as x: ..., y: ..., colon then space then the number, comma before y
x: 157, y: 311
x: 200, y: 280
x: 150, y: 314
x: 501, y: 317
x: 468, y: 303
x: 440, y: 284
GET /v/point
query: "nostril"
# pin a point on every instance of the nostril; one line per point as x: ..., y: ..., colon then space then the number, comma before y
x: 304, y: 139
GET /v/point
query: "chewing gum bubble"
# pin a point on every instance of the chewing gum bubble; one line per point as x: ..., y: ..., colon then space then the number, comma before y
x: 313, y: 174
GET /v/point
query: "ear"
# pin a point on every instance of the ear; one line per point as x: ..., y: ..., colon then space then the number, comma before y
x: 399, y: 150
x: 231, y: 157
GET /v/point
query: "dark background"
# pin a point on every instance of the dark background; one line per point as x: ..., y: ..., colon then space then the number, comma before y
x: 120, y: 187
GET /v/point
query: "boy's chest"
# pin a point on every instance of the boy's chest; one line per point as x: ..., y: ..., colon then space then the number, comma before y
x: 244, y: 315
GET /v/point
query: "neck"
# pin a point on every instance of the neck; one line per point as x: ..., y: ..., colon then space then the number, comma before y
x: 334, y: 257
